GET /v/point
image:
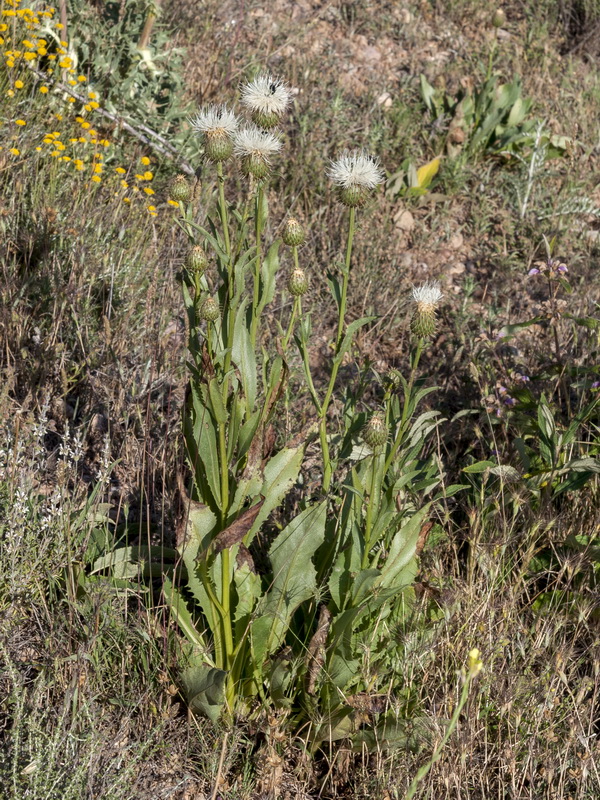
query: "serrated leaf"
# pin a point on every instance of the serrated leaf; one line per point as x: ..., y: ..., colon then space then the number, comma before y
x: 244, y: 357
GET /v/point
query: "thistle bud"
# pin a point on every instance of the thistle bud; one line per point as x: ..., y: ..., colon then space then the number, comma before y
x: 298, y: 283
x: 394, y: 379
x: 375, y: 432
x: 499, y: 18
x: 180, y: 190
x: 196, y: 260
x: 427, y: 298
x: 293, y: 233
x: 209, y: 311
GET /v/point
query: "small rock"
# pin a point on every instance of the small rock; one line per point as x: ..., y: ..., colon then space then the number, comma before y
x: 457, y: 268
x: 456, y: 241
x: 404, y: 220
x: 385, y: 100
x: 406, y: 260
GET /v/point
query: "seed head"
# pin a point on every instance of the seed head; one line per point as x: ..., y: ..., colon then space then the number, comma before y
x: 355, y: 174
x: 217, y: 124
x: 267, y: 98
x: 427, y: 298
x: 209, y: 310
x: 255, y: 148
x: 180, y: 190
x: 293, y: 233
x: 298, y: 283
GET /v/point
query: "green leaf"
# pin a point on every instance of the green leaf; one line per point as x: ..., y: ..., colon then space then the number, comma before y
x: 269, y: 269
x: 216, y: 402
x: 181, y: 614
x: 478, y: 466
x: 400, y: 566
x: 204, y: 689
x: 294, y: 579
x: 244, y: 356
x: 202, y: 452
x: 280, y: 474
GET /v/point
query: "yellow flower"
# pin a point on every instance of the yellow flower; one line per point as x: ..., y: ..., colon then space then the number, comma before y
x: 52, y: 56
x: 126, y: 200
x: 81, y: 78
x: 120, y: 170
x: 93, y: 104
x: 82, y: 139
x: 59, y: 26
x: 148, y: 190
x: 148, y: 176
x: 93, y: 95
x: 42, y: 51
x: 44, y: 89
x: 475, y: 664
x: 65, y: 62
x: 72, y: 82
x: 63, y: 43
x: 14, y: 151
x: 19, y: 84
x: 55, y: 153
x: 65, y: 158
x: 92, y: 132
x: 10, y: 93
x: 96, y: 178
x: 79, y: 119
x: 87, y: 107
x: 30, y: 56
x: 70, y: 99
x: 85, y: 125
x: 98, y: 168
x: 74, y: 141
x: 48, y: 140
x: 145, y: 161
x: 10, y: 63
x: 104, y: 142
x: 124, y: 184
x: 20, y: 122
x: 139, y: 177
x: 173, y: 203
x: 38, y: 149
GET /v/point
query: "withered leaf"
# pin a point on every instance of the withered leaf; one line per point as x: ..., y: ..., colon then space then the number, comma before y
x: 237, y: 530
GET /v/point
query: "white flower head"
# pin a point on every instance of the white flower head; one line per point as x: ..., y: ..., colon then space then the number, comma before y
x: 356, y: 169
x: 255, y: 148
x: 267, y: 98
x: 251, y: 141
x: 215, y: 119
x: 218, y: 124
x: 427, y: 295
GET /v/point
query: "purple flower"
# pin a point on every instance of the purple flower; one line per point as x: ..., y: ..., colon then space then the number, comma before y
x: 596, y: 385
x: 562, y: 268
x: 509, y: 401
x: 522, y: 378
x: 533, y: 271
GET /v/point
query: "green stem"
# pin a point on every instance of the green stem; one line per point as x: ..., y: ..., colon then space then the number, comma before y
x: 223, y: 211
x: 230, y: 272
x: 292, y: 323
x: 407, y: 405
x: 311, y: 385
x: 369, y: 520
x: 327, y: 467
x: 257, y: 264
x: 224, y: 469
x: 422, y: 772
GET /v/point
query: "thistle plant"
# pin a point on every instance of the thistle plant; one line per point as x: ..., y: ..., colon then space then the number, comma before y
x: 290, y: 634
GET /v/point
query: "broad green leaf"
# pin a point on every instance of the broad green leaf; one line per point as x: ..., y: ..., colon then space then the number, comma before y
x: 279, y: 475
x: 294, y: 579
x: 269, y: 269
x: 398, y: 571
x: 202, y: 452
x: 248, y: 589
x: 204, y: 690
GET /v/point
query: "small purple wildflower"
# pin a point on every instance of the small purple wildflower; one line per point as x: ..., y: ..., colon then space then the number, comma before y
x: 533, y: 271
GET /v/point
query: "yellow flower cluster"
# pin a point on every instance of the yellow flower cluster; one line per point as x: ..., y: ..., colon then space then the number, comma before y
x: 29, y: 57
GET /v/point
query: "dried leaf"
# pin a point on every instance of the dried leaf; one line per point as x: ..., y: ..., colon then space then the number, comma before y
x: 237, y: 530
x: 316, y: 649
